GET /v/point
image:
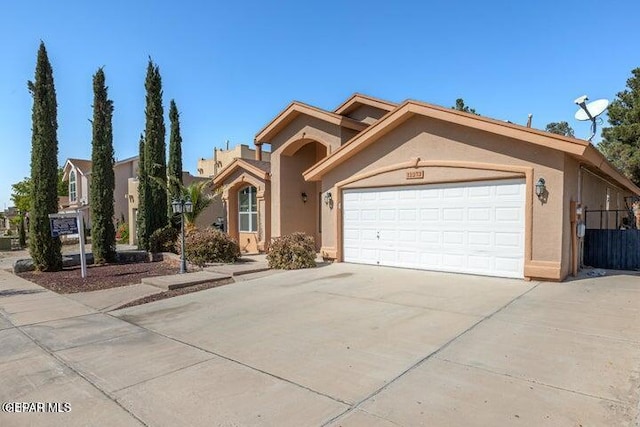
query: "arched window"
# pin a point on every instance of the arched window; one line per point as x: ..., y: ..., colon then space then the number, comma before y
x: 72, y: 187
x: 247, y: 210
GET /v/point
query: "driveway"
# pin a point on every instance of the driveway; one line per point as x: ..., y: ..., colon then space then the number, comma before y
x: 340, y: 345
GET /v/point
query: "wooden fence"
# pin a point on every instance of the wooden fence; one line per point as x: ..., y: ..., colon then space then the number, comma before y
x: 607, y: 244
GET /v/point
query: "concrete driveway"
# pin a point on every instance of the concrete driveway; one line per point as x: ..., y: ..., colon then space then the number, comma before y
x: 340, y: 345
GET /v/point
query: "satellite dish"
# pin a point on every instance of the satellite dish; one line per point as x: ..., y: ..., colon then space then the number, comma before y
x: 590, y: 111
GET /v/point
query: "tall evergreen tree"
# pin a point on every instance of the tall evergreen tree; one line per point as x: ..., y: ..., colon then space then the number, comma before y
x: 103, y: 232
x: 155, y: 164
x: 45, y: 250
x: 143, y: 184
x: 22, y: 235
x: 621, y: 142
x: 175, y: 153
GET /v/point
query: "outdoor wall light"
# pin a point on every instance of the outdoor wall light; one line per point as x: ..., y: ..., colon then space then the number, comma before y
x: 540, y: 188
x: 304, y: 197
x: 328, y: 199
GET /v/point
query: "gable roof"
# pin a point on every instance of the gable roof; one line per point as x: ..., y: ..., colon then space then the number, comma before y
x: 81, y: 165
x: 358, y: 99
x: 578, y: 148
x: 259, y: 168
x: 295, y: 109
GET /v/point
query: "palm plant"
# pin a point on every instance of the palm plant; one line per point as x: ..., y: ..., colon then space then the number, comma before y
x: 197, y: 193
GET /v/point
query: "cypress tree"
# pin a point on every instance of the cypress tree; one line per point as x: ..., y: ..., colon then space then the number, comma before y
x: 22, y: 236
x: 155, y: 165
x: 175, y: 153
x: 103, y: 232
x: 141, y: 224
x: 45, y: 250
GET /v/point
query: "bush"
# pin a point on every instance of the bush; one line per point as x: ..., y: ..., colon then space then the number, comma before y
x: 210, y: 245
x: 292, y: 252
x: 122, y: 233
x: 164, y: 240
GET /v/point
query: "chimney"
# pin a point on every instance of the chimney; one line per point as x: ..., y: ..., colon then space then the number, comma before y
x: 258, y: 151
x: 529, y: 120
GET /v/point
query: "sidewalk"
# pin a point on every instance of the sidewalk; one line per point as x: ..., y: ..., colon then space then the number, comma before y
x: 248, y: 268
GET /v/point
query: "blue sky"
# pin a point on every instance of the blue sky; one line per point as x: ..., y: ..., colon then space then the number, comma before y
x: 232, y: 66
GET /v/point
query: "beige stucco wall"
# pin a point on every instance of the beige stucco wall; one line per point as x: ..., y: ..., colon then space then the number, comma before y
x: 366, y: 114
x: 434, y: 141
x: 304, y: 142
x: 238, y: 180
x: 122, y: 171
x: 222, y: 158
x: 205, y: 219
x: 593, y: 195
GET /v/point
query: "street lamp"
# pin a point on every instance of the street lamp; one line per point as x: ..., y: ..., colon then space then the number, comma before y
x: 182, y: 206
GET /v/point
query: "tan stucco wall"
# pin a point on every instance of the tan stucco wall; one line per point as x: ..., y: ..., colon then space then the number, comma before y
x: 222, y: 158
x: 593, y: 196
x: 304, y: 142
x: 238, y: 180
x: 434, y: 141
x: 205, y: 219
x: 367, y: 114
x: 122, y: 172
x: 307, y: 128
x: 289, y: 213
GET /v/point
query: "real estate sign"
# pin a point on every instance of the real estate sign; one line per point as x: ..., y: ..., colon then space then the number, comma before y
x: 70, y: 223
x: 63, y: 224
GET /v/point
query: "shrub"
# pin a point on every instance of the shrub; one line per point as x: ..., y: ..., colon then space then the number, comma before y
x: 164, y: 240
x: 292, y: 252
x: 122, y: 233
x: 210, y: 245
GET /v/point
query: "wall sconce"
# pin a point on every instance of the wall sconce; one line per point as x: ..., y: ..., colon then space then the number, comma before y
x: 540, y: 188
x: 304, y: 197
x: 328, y: 199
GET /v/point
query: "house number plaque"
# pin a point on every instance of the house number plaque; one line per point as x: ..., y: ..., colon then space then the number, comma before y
x: 415, y: 174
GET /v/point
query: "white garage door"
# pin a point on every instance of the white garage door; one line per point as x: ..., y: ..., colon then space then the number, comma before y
x: 472, y: 227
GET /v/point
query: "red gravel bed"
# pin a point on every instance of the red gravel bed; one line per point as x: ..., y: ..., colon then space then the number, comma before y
x: 99, y: 277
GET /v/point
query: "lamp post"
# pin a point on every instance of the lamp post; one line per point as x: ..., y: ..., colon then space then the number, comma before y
x: 182, y: 206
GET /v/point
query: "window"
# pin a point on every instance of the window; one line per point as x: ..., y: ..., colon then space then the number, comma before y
x: 247, y: 210
x: 72, y: 187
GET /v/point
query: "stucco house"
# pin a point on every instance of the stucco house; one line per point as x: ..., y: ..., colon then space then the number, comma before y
x: 77, y: 173
x: 222, y: 158
x: 205, y: 219
x: 421, y: 186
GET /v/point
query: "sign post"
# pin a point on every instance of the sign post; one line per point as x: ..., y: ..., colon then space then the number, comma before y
x: 70, y: 223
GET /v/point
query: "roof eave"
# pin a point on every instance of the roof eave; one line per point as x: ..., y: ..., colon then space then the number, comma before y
x: 297, y: 108
x: 410, y: 108
x: 239, y: 164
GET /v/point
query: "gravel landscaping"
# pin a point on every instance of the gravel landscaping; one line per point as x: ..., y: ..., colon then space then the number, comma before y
x: 99, y: 277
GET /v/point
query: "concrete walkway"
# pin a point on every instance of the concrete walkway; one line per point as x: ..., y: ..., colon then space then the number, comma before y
x: 341, y: 345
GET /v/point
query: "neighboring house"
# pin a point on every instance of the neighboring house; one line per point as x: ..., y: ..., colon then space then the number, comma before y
x: 77, y: 173
x: 123, y: 170
x: 222, y: 158
x: 421, y: 186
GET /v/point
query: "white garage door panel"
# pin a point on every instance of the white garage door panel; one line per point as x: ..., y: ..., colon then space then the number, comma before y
x: 473, y: 228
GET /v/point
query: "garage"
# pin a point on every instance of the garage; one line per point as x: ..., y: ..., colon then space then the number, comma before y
x: 470, y: 227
